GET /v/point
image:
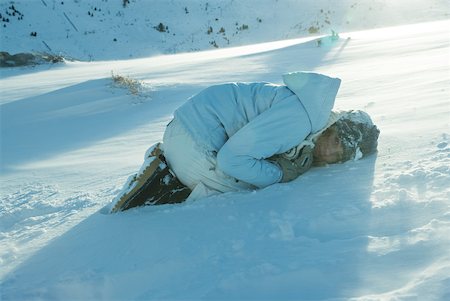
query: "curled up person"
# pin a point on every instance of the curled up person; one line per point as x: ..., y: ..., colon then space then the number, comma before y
x: 246, y: 136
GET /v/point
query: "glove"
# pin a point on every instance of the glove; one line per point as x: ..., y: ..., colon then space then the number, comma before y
x: 293, y: 168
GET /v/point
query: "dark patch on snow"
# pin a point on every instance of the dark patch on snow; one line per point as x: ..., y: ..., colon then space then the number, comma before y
x: 28, y: 59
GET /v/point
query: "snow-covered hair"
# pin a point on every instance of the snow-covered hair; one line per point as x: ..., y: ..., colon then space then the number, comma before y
x: 358, y: 134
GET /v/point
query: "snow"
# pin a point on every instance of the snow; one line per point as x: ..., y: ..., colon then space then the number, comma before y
x: 372, y: 229
x: 104, y: 29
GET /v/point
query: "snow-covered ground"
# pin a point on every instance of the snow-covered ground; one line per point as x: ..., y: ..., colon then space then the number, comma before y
x: 375, y: 229
x: 104, y: 29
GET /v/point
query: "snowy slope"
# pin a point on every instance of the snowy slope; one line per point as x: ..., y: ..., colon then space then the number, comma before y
x: 375, y: 229
x: 105, y: 29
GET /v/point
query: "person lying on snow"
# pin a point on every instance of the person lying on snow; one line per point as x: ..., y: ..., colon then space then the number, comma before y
x: 245, y: 136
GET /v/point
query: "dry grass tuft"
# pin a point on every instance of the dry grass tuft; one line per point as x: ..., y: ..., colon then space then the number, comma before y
x: 134, y: 86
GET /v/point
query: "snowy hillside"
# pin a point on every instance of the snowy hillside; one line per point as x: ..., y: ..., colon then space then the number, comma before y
x: 374, y: 229
x: 108, y: 29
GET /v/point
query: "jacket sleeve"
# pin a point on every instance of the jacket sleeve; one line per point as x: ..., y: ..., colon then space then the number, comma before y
x: 275, y: 131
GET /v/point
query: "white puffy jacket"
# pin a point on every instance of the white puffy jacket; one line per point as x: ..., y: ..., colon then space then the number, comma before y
x: 245, y: 123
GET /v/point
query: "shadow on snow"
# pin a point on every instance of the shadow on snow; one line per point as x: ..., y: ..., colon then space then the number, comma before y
x: 46, y: 125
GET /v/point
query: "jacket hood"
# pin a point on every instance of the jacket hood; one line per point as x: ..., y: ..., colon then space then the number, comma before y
x: 317, y: 93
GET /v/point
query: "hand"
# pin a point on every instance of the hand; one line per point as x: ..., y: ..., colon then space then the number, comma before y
x: 293, y: 168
